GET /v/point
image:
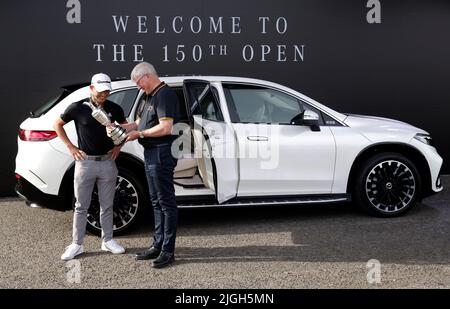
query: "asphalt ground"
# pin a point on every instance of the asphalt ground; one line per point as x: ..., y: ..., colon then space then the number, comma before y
x: 328, y: 246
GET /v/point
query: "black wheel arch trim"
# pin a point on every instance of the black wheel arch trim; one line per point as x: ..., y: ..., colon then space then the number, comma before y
x: 133, y: 163
x: 411, y: 152
x: 65, y: 191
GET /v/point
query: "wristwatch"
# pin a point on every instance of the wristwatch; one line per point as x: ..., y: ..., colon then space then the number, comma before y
x: 141, y: 134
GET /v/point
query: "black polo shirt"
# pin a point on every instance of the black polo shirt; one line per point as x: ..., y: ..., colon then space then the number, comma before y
x: 160, y: 104
x: 92, y: 138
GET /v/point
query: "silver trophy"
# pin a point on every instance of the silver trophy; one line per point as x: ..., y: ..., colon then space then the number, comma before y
x: 118, y: 134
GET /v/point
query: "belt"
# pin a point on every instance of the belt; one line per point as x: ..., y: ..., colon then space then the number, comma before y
x: 98, y: 158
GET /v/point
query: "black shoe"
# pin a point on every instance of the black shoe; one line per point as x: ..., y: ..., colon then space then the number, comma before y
x: 164, y: 259
x: 150, y: 253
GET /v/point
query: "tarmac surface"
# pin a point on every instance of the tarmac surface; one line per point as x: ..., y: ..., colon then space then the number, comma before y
x: 330, y: 246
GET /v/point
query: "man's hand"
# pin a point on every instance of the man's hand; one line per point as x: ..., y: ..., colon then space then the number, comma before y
x: 109, y: 128
x: 132, y: 136
x: 115, y: 152
x: 76, y: 153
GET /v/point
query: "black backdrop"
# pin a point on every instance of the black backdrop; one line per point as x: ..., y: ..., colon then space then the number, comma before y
x: 398, y: 68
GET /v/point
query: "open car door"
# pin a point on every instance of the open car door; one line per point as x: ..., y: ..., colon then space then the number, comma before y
x: 214, y: 140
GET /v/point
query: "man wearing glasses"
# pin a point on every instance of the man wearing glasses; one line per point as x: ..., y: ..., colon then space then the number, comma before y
x: 153, y: 129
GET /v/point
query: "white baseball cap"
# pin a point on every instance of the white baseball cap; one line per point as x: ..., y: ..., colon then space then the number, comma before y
x: 101, y: 82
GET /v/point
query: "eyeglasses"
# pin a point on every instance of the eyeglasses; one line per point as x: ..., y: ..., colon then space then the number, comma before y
x: 139, y: 79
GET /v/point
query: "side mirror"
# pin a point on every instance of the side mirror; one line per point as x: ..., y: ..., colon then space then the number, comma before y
x: 307, y: 118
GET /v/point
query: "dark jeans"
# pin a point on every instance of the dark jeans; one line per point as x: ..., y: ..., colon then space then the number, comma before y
x: 159, y: 168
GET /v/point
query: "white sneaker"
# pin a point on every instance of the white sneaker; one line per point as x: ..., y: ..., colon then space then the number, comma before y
x: 112, y: 246
x: 72, y: 251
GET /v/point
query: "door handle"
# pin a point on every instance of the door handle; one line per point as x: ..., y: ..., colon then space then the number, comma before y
x: 258, y: 138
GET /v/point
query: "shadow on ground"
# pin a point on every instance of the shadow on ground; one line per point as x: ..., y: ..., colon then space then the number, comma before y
x: 329, y: 233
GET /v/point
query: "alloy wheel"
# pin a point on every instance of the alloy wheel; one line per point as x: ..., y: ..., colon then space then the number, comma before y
x: 126, y: 203
x: 390, y: 186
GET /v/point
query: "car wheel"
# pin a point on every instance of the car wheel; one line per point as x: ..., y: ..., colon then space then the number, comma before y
x: 387, y: 185
x: 129, y: 199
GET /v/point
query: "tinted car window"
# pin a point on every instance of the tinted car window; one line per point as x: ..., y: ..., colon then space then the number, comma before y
x: 183, y: 112
x: 125, y: 99
x: 209, y: 108
x: 204, y: 101
x: 49, y: 105
x: 255, y: 104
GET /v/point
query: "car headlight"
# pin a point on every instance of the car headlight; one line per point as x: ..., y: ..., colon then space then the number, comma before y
x: 424, y: 138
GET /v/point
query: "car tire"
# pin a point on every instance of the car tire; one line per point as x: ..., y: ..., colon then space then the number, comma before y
x: 387, y: 185
x: 129, y: 200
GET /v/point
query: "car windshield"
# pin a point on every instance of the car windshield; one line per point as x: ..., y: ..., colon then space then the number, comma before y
x: 48, y: 105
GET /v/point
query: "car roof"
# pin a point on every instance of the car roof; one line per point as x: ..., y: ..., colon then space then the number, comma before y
x: 120, y: 83
x: 124, y: 82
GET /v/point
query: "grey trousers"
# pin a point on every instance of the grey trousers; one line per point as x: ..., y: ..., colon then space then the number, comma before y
x: 87, y: 173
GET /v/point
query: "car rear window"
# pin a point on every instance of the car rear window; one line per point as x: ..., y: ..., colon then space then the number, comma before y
x: 49, y: 105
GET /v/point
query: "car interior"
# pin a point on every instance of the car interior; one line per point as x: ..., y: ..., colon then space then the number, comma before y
x: 189, y: 170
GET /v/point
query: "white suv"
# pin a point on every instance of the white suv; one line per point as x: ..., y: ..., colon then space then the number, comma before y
x: 255, y: 143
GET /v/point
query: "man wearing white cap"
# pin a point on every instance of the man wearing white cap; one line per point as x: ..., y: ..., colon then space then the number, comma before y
x: 94, y: 164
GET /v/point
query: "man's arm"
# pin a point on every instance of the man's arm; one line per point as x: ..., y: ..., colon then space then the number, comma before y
x: 166, y: 111
x: 76, y: 153
x: 130, y: 126
x: 162, y: 129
